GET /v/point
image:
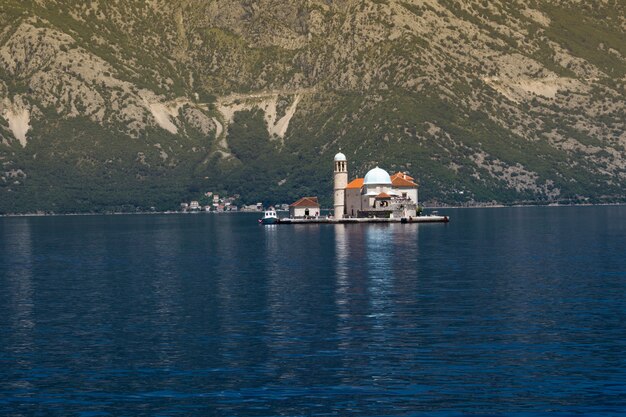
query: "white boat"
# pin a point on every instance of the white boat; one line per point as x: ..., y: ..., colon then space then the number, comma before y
x: 269, y: 217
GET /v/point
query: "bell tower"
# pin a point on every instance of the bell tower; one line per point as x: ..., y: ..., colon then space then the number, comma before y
x: 341, y: 182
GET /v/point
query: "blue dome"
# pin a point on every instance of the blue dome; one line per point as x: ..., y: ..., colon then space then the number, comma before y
x: 377, y: 176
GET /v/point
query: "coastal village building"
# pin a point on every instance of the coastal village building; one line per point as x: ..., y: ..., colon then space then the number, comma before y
x: 376, y: 195
x: 305, y: 207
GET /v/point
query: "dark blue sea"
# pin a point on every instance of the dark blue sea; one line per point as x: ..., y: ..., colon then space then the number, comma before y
x: 510, y: 311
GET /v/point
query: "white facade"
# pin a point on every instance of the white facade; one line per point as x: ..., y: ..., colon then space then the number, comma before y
x: 305, y: 207
x: 302, y: 212
x: 408, y: 192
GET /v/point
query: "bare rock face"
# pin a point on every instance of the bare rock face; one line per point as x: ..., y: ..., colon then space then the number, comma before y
x: 199, y: 120
x: 483, y: 100
x: 74, y: 82
x: 17, y: 115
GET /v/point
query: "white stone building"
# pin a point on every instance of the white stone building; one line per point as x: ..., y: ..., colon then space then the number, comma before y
x: 306, y: 207
x: 376, y: 195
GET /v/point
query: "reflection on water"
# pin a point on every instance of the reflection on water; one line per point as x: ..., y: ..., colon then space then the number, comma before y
x: 342, y: 271
x: 16, y: 246
x: 166, y: 282
x: 512, y: 310
x: 379, y: 253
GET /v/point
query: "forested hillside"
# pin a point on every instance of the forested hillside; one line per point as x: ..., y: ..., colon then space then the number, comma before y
x: 132, y: 104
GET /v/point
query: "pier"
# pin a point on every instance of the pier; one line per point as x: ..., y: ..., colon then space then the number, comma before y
x: 330, y: 220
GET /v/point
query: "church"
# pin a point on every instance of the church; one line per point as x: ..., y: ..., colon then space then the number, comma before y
x: 376, y: 195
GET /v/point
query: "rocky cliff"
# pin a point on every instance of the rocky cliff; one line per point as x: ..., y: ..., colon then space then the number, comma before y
x: 118, y: 105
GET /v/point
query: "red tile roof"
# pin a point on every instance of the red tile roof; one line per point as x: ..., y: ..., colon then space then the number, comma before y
x: 306, y: 202
x: 401, y: 182
x: 383, y: 196
x: 355, y: 183
x: 402, y: 175
x: 400, y: 179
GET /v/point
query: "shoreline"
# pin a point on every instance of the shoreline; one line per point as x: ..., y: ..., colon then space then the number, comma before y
x: 430, y: 208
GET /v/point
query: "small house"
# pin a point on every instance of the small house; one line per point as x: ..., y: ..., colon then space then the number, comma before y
x: 305, y: 207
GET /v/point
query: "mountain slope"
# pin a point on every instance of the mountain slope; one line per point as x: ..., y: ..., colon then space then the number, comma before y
x: 131, y: 104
